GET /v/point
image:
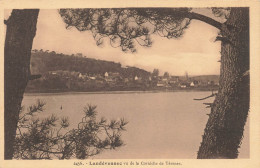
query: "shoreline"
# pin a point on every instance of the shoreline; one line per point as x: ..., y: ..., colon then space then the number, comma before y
x: 117, y: 91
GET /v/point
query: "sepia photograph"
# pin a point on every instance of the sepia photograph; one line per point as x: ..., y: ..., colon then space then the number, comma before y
x: 94, y: 84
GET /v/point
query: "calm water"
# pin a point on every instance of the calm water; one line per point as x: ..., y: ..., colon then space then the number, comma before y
x: 161, y: 124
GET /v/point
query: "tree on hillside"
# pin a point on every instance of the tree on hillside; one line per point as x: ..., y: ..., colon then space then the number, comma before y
x: 166, y: 74
x: 155, y: 73
x: 127, y: 27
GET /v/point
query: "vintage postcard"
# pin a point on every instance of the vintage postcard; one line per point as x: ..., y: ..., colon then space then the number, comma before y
x: 130, y: 83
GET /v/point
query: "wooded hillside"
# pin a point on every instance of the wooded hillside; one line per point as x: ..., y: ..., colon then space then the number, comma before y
x: 43, y: 62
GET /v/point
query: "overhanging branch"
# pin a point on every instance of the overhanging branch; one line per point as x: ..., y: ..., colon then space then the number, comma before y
x: 203, y: 18
x: 212, y: 95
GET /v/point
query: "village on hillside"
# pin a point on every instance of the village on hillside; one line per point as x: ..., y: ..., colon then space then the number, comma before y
x: 76, y: 81
x: 62, y: 73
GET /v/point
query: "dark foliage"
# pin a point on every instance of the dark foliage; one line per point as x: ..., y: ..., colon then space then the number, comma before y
x: 43, y: 62
x: 48, y: 138
x: 124, y: 27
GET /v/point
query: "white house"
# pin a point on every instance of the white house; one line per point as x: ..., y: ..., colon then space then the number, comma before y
x: 81, y: 76
x: 106, y: 74
x: 192, y: 84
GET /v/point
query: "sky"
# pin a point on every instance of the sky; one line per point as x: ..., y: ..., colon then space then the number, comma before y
x: 195, y: 52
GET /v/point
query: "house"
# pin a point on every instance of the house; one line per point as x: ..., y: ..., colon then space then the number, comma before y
x: 173, y: 80
x: 160, y: 84
x: 106, y: 74
x: 114, y: 74
x: 165, y: 79
x: 192, y: 84
x: 112, y: 77
x: 109, y: 79
x: 81, y: 76
x: 211, y: 83
x: 184, y: 85
x: 163, y: 84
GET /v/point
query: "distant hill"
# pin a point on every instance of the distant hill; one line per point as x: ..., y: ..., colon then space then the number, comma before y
x: 205, y: 78
x: 43, y: 62
x: 202, y: 78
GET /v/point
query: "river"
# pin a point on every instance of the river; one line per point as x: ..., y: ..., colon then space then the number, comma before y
x: 166, y: 125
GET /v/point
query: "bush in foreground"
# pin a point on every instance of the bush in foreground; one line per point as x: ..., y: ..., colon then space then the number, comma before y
x: 48, y: 138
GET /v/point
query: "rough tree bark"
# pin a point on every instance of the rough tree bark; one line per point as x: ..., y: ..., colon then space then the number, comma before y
x: 21, y: 29
x: 224, y: 129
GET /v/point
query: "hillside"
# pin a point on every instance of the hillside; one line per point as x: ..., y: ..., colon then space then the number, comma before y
x: 214, y: 78
x: 202, y: 78
x: 44, y: 62
x: 63, y: 73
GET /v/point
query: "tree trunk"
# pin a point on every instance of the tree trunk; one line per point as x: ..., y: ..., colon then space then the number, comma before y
x: 224, y: 130
x: 21, y: 29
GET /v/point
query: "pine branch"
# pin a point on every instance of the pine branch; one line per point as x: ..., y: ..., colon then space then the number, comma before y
x: 212, y: 95
x: 208, y: 105
x: 203, y: 18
